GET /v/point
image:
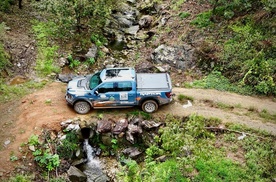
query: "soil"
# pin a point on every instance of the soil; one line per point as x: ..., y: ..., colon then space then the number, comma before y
x: 47, y: 108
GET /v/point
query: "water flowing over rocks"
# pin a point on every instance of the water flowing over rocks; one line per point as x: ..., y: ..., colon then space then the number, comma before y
x: 87, y: 162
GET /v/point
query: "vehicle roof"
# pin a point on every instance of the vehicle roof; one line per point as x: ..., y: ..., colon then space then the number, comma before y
x: 118, y: 74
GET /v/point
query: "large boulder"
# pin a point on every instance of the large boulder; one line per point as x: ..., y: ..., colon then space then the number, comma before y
x: 181, y: 57
x: 76, y: 175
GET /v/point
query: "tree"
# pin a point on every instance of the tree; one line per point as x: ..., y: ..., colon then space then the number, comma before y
x: 80, y: 13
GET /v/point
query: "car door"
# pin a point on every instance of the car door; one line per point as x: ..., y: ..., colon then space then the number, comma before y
x: 125, y: 93
x: 106, y: 95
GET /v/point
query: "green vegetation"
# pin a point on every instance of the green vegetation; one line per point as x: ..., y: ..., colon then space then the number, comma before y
x: 6, y: 4
x: 43, y: 153
x: 4, y: 57
x: 68, y: 146
x: 9, y: 92
x: 215, y: 80
x: 47, y: 52
x: 183, y: 98
x: 194, y: 153
x: 246, y: 61
x: 184, y: 15
x: 203, y: 20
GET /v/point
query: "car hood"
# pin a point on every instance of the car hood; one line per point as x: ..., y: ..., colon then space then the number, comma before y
x: 79, y: 83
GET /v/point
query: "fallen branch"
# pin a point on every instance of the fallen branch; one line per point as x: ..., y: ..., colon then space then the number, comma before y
x: 219, y: 129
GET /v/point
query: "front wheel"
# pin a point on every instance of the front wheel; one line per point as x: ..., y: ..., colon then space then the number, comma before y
x: 82, y: 107
x: 149, y: 106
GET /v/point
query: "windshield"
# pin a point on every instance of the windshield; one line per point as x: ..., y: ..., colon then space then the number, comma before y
x: 95, y: 80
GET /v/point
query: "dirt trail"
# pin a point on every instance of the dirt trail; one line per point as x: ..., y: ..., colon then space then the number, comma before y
x: 46, y: 108
x: 236, y: 108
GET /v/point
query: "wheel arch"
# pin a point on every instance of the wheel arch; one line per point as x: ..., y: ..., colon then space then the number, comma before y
x: 148, y: 98
x: 83, y: 99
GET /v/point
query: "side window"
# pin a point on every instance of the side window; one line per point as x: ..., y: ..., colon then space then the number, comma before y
x: 124, y: 86
x: 106, y: 87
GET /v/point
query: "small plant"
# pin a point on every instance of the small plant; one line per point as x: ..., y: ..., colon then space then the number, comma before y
x: 98, y: 39
x: 48, y: 102
x: 73, y: 63
x: 183, y: 98
x: 203, y: 20
x: 90, y: 61
x: 68, y: 146
x: 48, y: 160
x: 184, y: 15
x: 13, y: 157
x: 114, y: 145
x: 253, y: 109
x: 33, y: 140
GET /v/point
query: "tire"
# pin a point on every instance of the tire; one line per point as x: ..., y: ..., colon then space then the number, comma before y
x: 82, y: 107
x: 149, y: 106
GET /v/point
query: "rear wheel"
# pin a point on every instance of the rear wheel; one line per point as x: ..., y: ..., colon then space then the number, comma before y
x: 82, y: 107
x: 149, y: 106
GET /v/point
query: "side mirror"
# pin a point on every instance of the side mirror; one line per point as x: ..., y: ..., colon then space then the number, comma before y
x: 96, y: 92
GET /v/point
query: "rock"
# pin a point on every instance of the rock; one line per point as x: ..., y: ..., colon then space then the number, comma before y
x: 133, y: 129
x: 104, y: 126
x: 120, y: 126
x: 150, y: 124
x: 79, y: 162
x: 132, y: 30
x: 162, y: 158
x: 72, y: 127
x: 106, y: 138
x: 145, y: 21
x: 62, y: 62
x: 7, y: 142
x: 92, y: 53
x: 76, y: 175
x: 65, y: 78
x: 132, y: 152
x: 32, y: 148
x: 181, y: 57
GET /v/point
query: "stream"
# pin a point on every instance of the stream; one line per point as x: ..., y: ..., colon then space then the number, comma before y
x: 92, y: 168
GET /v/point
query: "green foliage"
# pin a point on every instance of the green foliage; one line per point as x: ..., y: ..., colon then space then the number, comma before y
x: 34, y: 140
x: 73, y: 63
x: 21, y: 178
x: 13, y: 157
x: 90, y: 61
x: 219, y: 169
x: 215, y: 80
x: 47, y: 160
x: 44, y: 31
x: 68, y: 146
x: 203, y: 20
x: 5, y: 5
x: 9, y: 92
x: 4, y: 57
x: 43, y: 154
x: 114, y: 145
x: 189, y: 147
x: 166, y: 171
x: 251, y: 62
x: 98, y: 39
x: 184, y: 15
x: 182, y: 98
x: 228, y: 9
x: 78, y: 14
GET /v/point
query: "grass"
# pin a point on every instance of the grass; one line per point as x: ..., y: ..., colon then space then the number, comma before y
x: 183, y: 98
x: 215, y: 80
x: 10, y: 92
x: 196, y: 154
